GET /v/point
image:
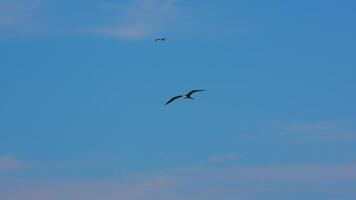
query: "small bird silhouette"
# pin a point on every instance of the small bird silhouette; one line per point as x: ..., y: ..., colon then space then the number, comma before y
x: 161, y: 39
x: 186, y: 96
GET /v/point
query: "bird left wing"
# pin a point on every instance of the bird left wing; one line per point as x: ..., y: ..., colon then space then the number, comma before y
x: 173, y: 98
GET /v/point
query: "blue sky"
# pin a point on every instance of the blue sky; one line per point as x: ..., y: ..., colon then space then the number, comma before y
x: 83, y: 87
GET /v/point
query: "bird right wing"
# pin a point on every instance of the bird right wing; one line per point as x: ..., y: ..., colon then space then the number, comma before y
x: 193, y: 91
x: 173, y: 98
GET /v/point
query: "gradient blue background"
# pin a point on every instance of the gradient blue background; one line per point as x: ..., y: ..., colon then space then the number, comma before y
x: 76, y: 104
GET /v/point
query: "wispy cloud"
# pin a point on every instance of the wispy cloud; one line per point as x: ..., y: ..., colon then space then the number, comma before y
x: 19, y: 17
x: 319, y: 129
x: 131, y: 20
x: 124, y: 20
x: 222, y: 159
x: 9, y: 163
x: 140, y: 19
x: 199, y: 183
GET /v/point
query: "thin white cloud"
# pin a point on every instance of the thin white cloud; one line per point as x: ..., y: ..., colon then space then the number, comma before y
x: 124, y: 20
x: 19, y: 17
x: 319, y: 129
x: 126, y: 33
x: 222, y: 159
x: 140, y: 19
x: 9, y: 163
x: 132, y: 20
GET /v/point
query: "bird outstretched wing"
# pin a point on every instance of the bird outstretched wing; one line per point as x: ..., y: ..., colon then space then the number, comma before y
x: 193, y: 91
x: 173, y: 98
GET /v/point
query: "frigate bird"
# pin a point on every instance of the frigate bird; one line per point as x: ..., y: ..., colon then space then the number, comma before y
x: 161, y: 39
x: 186, y: 96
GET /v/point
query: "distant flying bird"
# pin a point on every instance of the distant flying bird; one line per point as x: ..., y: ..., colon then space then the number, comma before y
x: 161, y: 39
x: 186, y: 96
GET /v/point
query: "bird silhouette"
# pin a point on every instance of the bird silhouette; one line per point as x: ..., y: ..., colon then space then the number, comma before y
x: 161, y: 39
x: 186, y: 96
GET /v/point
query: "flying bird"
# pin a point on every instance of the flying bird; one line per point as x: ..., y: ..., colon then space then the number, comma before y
x: 186, y: 96
x: 161, y: 39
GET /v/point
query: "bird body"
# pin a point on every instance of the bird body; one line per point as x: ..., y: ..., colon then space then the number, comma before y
x: 161, y: 39
x: 186, y: 96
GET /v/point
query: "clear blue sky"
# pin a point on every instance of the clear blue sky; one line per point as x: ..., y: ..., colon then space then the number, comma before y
x: 83, y: 87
